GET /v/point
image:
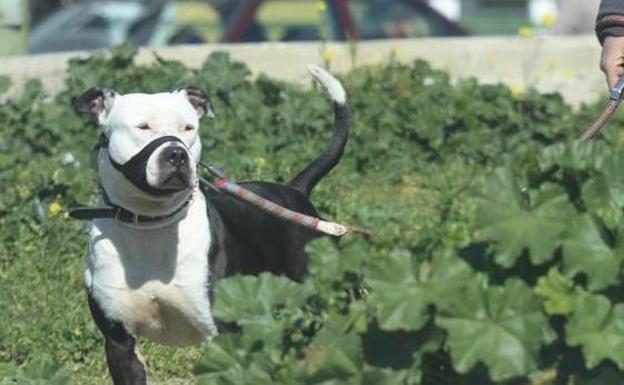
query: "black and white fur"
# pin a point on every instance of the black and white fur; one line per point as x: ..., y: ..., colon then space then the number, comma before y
x: 155, y: 278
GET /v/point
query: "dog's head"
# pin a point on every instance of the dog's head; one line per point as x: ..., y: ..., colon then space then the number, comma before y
x: 151, y: 148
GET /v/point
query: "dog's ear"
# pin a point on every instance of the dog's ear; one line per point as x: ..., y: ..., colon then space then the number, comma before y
x: 198, y: 99
x: 97, y: 101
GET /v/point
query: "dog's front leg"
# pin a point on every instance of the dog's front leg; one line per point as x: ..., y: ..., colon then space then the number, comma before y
x: 125, y: 363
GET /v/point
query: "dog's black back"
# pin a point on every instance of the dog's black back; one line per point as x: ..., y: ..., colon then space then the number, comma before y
x: 247, y: 240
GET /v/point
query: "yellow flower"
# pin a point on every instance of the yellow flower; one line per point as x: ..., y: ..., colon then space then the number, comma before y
x: 396, y: 52
x: 260, y: 161
x: 548, y: 19
x: 525, y: 31
x: 54, y: 208
x: 516, y: 89
x: 568, y: 74
x: 553, y: 64
x: 320, y: 6
x: 328, y: 54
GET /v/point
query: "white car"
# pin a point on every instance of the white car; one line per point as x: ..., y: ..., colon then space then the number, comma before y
x: 99, y: 24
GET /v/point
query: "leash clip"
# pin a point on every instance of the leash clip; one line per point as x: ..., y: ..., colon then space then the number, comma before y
x: 214, y: 170
x: 617, y: 90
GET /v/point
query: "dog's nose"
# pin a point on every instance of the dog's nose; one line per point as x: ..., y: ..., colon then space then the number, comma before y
x: 175, y: 155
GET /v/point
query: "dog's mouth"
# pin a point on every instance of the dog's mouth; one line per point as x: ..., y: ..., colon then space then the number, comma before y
x: 177, y: 180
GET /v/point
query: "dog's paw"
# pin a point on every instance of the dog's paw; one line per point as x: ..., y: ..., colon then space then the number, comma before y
x: 331, y: 84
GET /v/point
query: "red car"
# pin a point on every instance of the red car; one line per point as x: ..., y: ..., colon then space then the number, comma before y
x: 257, y: 20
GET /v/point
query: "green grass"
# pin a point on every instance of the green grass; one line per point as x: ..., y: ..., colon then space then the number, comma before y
x: 42, y: 286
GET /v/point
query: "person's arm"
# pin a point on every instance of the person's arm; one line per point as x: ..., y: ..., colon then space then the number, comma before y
x: 610, y: 32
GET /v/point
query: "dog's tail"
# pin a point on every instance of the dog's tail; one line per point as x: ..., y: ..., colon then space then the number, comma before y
x: 319, y: 167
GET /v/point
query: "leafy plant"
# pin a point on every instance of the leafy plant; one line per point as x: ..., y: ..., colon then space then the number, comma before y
x: 496, y: 256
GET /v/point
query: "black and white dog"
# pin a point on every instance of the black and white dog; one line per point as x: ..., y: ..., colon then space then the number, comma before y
x: 158, y: 242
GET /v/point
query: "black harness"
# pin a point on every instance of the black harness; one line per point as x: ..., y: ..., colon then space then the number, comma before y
x: 134, y: 168
x: 134, y: 171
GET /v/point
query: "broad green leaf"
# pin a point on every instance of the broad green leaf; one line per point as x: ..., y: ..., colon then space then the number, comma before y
x: 600, y: 199
x: 574, y: 155
x: 504, y: 331
x: 244, y: 297
x: 557, y: 291
x: 402, y: 288
x: 611, y: 169
x: 397, y: 294
x: 328, y: 264
x: 597, y: 326
x: 584, y: 251
x: 228, y: 361
x: 516, y: 221
x: 603, y: 193
x: 255, y: 303
x: 334, y: 358
x: 451, y: 282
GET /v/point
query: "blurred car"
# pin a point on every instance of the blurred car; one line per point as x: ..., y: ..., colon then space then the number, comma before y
x: 97, y: 24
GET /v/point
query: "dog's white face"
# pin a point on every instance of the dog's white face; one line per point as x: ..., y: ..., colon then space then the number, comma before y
x: 158, y: 134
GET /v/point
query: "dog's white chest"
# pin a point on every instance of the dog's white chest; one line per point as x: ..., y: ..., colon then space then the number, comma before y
x: 166, y: 313
x: 155, y: 282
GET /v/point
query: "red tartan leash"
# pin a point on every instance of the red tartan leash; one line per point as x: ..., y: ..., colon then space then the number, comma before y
x: 223, y: 184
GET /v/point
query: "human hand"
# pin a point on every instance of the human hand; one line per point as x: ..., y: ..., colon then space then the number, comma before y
x: 612, y: 60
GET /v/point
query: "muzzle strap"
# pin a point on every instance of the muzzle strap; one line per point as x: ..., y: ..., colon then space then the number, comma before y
x: 135, y: 168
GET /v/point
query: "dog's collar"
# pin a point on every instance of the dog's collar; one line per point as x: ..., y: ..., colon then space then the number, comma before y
x: 118, y: 213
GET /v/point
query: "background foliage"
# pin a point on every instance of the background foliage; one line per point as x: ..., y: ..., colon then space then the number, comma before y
x: 496, y: 259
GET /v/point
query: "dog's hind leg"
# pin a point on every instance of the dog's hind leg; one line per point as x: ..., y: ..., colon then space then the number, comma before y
x: 125, y: 363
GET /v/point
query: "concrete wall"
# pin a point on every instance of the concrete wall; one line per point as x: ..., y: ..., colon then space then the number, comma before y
x: 565, y: 64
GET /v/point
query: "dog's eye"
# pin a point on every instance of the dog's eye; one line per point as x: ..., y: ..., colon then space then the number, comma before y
x: 143, y: 126
x: 189, y: 127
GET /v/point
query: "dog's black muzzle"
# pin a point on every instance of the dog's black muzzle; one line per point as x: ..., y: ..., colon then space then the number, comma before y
x: 135, y: 168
